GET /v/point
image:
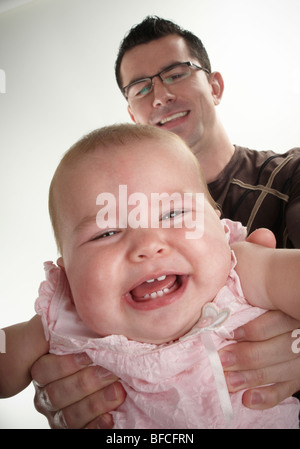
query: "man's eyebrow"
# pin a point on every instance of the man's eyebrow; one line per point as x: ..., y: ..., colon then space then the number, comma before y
x: 165, y: 67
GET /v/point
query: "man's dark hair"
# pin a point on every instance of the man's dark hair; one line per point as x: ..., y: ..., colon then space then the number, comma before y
x: 152, y: 28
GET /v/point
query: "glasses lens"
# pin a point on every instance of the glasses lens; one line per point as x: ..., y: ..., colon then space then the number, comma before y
x: 176, y: 74
x: 139, y: 89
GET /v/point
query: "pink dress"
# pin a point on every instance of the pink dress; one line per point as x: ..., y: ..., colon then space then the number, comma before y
x: 179, y: 385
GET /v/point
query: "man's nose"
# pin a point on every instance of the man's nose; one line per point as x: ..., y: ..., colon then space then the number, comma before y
x: 161, y: 93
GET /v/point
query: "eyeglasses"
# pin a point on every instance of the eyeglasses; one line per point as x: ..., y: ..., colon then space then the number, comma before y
x: 171, y: 75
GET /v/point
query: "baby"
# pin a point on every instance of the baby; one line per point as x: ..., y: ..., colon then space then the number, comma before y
x: 148, y: 284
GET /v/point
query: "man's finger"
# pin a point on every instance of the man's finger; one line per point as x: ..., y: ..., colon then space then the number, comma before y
x: 89, y: 409
x: 266, y: 326
x: 267, y: 397
x: 52, y: 367
x: 254, y: 355
x: 283, y: 372
x: 69, y: 390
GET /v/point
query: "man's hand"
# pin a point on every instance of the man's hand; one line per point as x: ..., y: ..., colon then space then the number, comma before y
x: 263, y: 356
x: 72, y: 394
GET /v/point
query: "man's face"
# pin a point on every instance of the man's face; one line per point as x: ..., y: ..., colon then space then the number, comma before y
x: 186, y: 108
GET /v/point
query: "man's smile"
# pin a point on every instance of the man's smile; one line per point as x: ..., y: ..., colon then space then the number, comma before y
x: 172, y: 117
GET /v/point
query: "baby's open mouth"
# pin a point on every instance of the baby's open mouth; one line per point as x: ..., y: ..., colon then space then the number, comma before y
x: 156, y: 288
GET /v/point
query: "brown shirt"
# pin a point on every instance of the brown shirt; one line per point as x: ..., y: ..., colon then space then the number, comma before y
x: 261, y: 189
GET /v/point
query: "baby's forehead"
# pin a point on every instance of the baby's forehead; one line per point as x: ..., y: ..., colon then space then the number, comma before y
x: 164, y: 148
x: 169, y: 154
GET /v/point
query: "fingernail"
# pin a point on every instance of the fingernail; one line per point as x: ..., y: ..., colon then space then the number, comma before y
x: 239, y: 333
x: 235, y: 379
x: 256, y: 398
x: 59, y: 420
x: 110, y: 393
x: 227, y: 358
x: 105, y: 374
x: 82, y: 359
x: 104, y: 422
x: 45, y: 400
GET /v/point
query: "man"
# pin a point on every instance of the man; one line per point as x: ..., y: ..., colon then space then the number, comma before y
x: 260, y: 189
x: 165, y: 75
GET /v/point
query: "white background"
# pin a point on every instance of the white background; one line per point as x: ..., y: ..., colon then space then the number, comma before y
x: 58, y: 57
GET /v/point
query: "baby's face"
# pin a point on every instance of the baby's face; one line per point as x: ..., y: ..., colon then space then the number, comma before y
x: 137, y: 268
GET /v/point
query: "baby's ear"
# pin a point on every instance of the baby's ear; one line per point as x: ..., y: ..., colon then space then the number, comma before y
x: 60, y: 263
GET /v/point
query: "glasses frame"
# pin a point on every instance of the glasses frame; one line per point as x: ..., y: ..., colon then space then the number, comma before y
x: 150, y: 78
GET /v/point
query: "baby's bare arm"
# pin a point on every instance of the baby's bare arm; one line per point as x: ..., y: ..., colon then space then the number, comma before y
x: 24, y: 344
x: 270, y: 278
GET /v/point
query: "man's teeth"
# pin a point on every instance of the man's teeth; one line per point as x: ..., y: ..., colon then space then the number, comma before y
x: 172, y: 117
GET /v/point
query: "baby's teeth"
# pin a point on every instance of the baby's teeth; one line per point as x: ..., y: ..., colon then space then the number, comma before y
x: 154, y: 295
x: 161, y: 278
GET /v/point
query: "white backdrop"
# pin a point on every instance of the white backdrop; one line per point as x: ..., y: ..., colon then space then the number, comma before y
x: 58, y: 57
